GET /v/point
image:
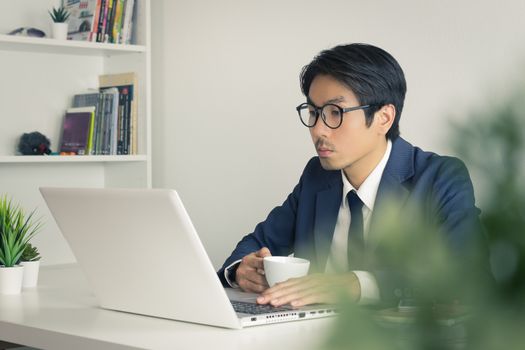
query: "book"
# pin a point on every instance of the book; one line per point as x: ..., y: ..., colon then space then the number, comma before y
x: 127, y: 22
x: 127, y: 120
x: 109, y: 22
x: 93, y: 99
x: 81, y: 19
x: 94, y: 29
x: 77, y: 131
x: 117, y: 25
x: 112, y: 119
x: 102, y: 20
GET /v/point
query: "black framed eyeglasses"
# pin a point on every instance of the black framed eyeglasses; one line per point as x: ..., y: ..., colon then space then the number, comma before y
x: 331, y: 114
x: 26, y: 31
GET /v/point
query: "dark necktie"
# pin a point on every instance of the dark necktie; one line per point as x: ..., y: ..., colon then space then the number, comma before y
x: 356, y: 243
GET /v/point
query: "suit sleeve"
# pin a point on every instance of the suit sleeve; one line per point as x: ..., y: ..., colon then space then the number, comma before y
x: 456, y: 212
x: 459, y: 219
x: 452, y: 208
x: 276, y: 233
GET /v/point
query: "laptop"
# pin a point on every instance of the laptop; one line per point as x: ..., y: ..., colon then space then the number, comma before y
x: 141, y: 254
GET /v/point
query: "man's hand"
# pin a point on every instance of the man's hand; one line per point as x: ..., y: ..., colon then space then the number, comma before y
x: 250, y: 273
x: 312, y: 289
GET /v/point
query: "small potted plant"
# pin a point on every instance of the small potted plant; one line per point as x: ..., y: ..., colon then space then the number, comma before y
x: 16, y: 229
x: 59, y: 17
x: 30, y: 260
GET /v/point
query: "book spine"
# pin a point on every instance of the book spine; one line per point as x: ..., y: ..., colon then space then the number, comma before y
x: 126, y: 27
x: 125, y: 130
x: 120, y: 138
x: 100, y: 25
x: 118, y: 22
x: 105, y: 21
x: 109, y: 23
x: 100, y: 124
x: 134, y: 124
x: 96, y: 125
x: 114, y: 121
x: 94, y: 27
x: 89, y: 148
x: 108, y: 102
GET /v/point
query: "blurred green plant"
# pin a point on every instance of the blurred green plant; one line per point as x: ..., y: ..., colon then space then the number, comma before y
x: 59, y: 15
x: 459, y: 307
x: 30, y: 253
x: 16, y: 230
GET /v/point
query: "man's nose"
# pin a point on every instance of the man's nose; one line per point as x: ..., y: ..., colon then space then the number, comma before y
x: 320, y: 128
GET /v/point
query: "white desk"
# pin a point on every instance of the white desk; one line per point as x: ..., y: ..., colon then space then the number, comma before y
x: 62, y: 314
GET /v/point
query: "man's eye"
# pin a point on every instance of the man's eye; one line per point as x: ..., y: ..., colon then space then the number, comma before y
x: 335, y: 113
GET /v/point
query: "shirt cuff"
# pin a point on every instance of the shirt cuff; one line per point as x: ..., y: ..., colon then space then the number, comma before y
x: 232, y: 284
x: 369, y: 289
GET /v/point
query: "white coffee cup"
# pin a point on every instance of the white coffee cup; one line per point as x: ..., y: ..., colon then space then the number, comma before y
x: 281, y: 268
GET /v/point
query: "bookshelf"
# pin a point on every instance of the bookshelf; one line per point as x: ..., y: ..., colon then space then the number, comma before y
x: 39, y: 78
x: 46, y: 45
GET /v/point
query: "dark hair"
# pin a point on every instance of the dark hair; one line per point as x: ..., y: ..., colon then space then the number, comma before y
x: 372, y: 74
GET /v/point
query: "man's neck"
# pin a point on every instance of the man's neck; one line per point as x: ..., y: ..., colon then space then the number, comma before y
x: 360, y: 169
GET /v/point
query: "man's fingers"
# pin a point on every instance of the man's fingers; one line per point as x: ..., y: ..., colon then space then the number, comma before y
x: 313, y: 298
x: 248, y: 273
x: 253, y: 261
x: 256, y: 278
x: 261, y: 253
x: 297, y: 292
x: 290, y: 285
x: 279, y: 294
x: 249, y: 286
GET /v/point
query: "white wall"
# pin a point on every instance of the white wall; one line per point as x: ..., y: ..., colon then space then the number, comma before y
x: 225, y: 84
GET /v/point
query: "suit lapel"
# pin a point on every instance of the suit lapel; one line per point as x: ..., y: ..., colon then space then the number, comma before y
x: 326, y: 210
x: 392, y: 193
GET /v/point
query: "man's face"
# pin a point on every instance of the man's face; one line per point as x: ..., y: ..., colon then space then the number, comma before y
x: 353, y: 146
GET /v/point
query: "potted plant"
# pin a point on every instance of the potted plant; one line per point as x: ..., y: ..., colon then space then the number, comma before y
x: 16, y: 229
x: 59, y: 17
x: 30, y: 260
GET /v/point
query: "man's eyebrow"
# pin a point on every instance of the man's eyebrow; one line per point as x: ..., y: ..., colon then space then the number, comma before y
x: 336, y: 99
x: 332, y: 100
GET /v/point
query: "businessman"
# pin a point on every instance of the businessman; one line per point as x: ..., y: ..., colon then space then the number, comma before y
x: 354, y: 99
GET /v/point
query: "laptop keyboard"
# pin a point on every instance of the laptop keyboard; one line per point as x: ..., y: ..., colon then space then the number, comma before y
x: 256, y: 309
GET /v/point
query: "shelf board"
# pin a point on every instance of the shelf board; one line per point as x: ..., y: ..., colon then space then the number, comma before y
x: 71, y: 47
x: 71, y: 159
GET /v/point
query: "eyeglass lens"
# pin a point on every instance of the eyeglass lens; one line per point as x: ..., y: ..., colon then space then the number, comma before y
x: 331, y: 115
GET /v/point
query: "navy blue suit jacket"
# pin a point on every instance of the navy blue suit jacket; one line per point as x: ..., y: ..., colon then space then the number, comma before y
x: 304, y: 224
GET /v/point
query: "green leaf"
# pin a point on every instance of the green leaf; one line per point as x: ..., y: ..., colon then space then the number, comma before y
x: 16, y: 230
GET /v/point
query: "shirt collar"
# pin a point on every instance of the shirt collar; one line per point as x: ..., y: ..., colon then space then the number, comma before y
x: 368, y: 190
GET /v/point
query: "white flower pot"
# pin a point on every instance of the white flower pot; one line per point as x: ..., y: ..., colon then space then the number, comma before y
x: 11, y: 279
x: 59, y: 31
x: 31, y: 269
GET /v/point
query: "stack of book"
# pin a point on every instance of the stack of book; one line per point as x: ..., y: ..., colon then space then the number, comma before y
x: 106, y: 21
x: 103, y: 122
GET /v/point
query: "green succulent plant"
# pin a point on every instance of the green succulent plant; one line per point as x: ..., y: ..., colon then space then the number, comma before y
x: 16, y: 230
x: 30, y: 253
x: 59, y: 15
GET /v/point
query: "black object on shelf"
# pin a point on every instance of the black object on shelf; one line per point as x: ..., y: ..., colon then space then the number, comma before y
x: 34, y: 143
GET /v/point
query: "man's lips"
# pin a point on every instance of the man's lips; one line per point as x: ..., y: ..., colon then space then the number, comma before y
x: 324, y: 152
x: 324, y: 148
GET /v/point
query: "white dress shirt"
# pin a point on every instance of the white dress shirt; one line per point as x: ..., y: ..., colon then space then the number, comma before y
x: 338, y: 258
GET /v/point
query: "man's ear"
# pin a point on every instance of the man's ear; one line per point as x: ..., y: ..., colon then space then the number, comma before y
x: 384, y: 118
